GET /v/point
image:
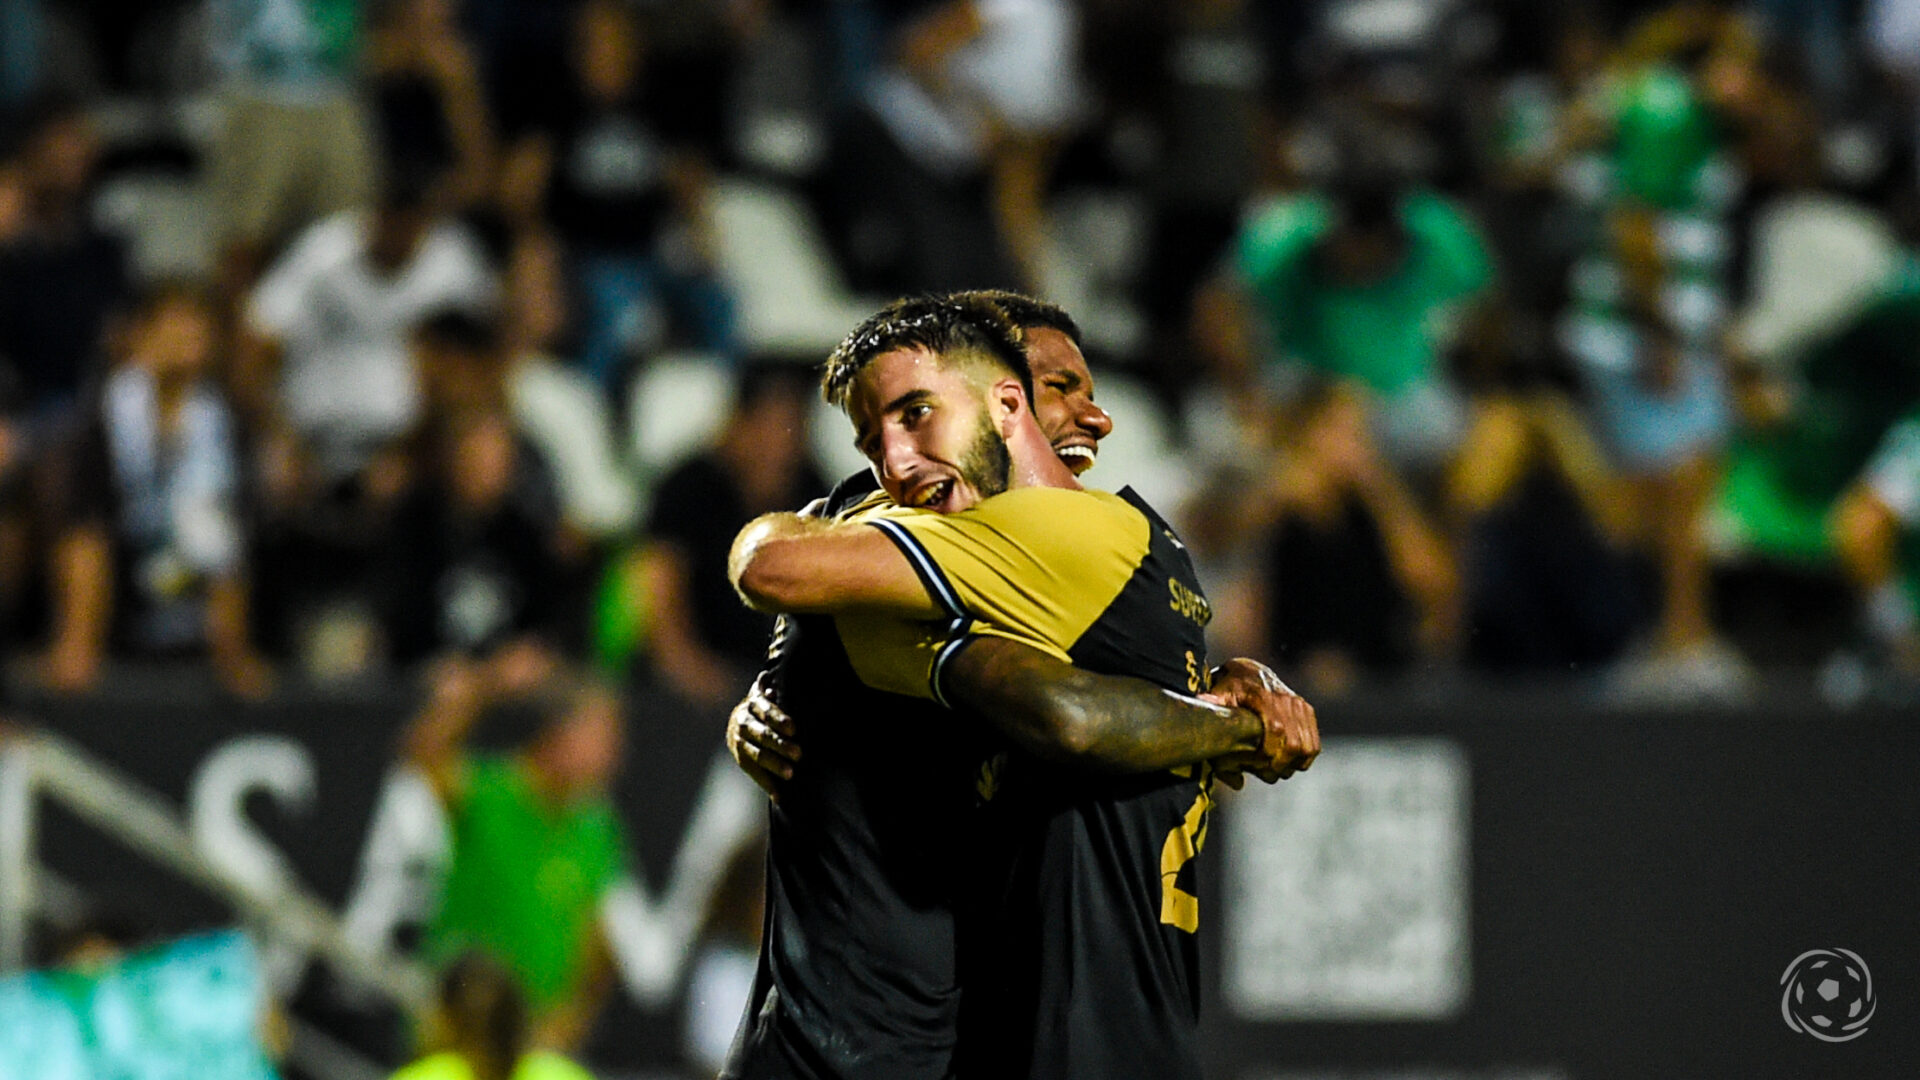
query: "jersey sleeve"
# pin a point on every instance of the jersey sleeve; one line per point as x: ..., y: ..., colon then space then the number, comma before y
x: 1037, y: 566
x: 899, y: 656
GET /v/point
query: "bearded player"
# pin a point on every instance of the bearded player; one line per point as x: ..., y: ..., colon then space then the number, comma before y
x: 1072, y: 857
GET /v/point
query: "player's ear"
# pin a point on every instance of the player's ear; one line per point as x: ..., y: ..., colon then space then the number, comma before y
x: 1008, y: 400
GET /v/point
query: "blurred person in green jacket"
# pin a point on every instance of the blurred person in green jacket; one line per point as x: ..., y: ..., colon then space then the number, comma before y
x: 535, y: 842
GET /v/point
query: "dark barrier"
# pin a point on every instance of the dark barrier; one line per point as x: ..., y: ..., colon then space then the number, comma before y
x: 1502, y: 884
x: 1639, y: 885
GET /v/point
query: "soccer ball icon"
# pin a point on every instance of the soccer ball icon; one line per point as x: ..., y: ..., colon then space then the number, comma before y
x: 1828, y: 994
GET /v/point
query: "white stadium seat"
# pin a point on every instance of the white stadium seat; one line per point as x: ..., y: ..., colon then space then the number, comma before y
x: 791, y: 298
x: 679, y: 400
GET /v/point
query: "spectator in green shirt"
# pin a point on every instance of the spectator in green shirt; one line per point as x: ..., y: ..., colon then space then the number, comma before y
x: 1368, y: 286
x: 535, y: 842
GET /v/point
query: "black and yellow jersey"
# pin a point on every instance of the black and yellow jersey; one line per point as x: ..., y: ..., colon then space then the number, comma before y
x: 1078, y: 951
x: 857, y: 978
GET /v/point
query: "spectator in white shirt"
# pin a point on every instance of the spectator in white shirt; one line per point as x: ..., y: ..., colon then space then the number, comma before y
x: 330, y: 379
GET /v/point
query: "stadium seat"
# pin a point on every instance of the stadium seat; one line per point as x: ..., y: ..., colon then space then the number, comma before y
x: 791, y: 298
x: 168, y: 219
x: 678, y: 402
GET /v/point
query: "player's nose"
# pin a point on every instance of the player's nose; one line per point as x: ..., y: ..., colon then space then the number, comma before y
x: 1094, y: 420
x: 897, y: 460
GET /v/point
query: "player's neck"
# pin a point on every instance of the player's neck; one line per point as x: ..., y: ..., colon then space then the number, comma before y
x: 1034, y: 462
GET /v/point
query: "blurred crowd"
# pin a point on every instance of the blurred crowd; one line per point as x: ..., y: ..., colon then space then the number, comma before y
x: 343, y: 339
x: 1472, y: 335
x: 1464, y: 334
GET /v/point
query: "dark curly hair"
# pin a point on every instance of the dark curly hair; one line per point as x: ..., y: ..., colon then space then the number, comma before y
x: 1029, y: 312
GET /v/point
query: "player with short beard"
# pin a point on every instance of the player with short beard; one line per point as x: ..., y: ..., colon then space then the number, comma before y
x: 921, y: 379
x: 760, y: 735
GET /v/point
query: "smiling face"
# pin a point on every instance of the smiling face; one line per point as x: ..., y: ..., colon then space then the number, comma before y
x: 929, y: 429
x: 1063, y: 398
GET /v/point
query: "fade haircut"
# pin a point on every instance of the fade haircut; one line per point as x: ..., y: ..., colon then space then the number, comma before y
x: 1029, y: 312
x: 960, y: 329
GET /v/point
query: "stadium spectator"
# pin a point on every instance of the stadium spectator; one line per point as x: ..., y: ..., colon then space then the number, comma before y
x: 1668, y: 180
x: 479, y: 1031
x: 429, y: 108
x: 1817, y: 256
x: 1537, y: 156
x: 705, y: 645
x: 327, y: 375
x: 472, y: 568
x: 1647, y: 316
x: 1358, y: 578
x: 62, y: 278
x: 566, y: 453
x: 939, y: 173
x: 1210, y: 121
x: 1537, y: 513
x: 627, y: 193
x: 148, y: 554
x: 535, y: 841
x: 1366, y: 282
x: 330, y: 388
x: 296, y: 143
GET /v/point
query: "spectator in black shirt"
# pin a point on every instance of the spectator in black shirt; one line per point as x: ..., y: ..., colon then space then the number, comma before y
x: 626, y: 193
x: 472, y: 570
x: 705, y: 643
x: 429, y: 109
x: 1359, y: 577
x: 61, y: 278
